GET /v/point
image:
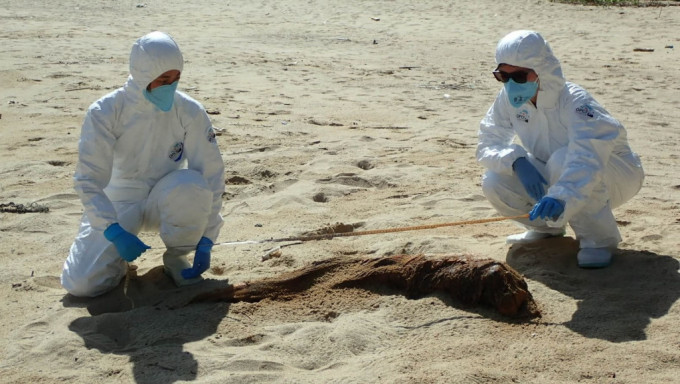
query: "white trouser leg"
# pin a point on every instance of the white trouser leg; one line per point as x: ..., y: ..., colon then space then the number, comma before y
x: 595, y: 225
x: 508, y: 196
x: 179, y: 207
x: 93, y: 265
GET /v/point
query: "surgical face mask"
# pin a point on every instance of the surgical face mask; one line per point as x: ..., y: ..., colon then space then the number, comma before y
x: 162, y: 96
x: 520, y: 93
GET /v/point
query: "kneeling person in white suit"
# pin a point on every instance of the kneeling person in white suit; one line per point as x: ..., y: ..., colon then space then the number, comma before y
x: 148, y: 160
x: 572, y: 163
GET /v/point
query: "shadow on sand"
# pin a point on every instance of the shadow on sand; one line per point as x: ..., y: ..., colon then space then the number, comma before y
x: 615, y: 303
x: 150, y: 324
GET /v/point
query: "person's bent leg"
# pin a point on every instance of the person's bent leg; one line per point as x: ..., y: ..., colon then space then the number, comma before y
x: 180, y: 205
x: 93, y: 266
x: 598, y: 234
x: 624, y: 177
x: 595, y: 225
x: 508, y: 196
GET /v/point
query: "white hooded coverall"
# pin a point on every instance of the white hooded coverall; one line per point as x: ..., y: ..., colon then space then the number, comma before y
x: 578, y: 147
x: 145, y: 169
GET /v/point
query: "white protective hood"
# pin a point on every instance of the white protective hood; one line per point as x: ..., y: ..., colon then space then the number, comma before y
x: 528, y: 49
x: 151, y: 56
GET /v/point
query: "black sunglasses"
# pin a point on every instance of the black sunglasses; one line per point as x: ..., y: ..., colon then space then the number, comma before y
x: 517, y: 77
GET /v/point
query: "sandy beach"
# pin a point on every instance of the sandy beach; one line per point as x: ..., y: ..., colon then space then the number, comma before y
x: 360, y: 113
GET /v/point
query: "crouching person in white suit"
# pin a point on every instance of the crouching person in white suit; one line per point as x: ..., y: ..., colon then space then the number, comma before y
x: 148, y: 160
x: 572, y: 163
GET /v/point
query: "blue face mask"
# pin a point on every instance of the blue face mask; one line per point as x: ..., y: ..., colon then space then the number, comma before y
x: 162, y: 96
x: 520, y: 93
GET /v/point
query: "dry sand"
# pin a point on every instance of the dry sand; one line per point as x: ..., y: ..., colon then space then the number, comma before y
x: 357, y: 112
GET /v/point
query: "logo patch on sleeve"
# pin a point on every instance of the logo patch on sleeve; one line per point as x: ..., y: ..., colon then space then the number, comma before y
x: 585, y: 111
x: 211, y: 136
x: 176, y: 151
x: 523, y: 116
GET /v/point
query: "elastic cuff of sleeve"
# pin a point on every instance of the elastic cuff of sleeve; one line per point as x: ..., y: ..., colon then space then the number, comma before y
x: 516, y: 160
x: 205, y: 242
x: 114, y: 230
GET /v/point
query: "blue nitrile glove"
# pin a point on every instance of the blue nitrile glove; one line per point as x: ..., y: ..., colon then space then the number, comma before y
x: 201, y: 259
x: 532, y: 180
x: 128, y: 245
x: 547, y: 208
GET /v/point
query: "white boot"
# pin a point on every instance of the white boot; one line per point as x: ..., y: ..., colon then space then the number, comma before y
x: 174, y: 261
x: 531, y: 236
x: 594, y: 257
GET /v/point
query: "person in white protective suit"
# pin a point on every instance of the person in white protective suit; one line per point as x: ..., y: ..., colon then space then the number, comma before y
x: 148, y: 160
x: 572, y: 163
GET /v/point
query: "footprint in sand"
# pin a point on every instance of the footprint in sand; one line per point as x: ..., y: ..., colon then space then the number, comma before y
x: 365, y: 165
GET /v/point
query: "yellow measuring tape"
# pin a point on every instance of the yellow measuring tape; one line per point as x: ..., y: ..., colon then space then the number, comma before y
x: 328, y: 236
x: 391, y: 230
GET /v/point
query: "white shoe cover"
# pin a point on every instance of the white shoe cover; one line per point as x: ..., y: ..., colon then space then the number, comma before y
x: 594, y: 257
x: 531, y: 236
x: 173, y: 264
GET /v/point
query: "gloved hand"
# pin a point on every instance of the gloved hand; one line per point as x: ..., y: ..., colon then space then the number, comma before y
x: 532, y: 180
x: 547, y: 208
x: 201, y: 259
x: 128, y: 245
